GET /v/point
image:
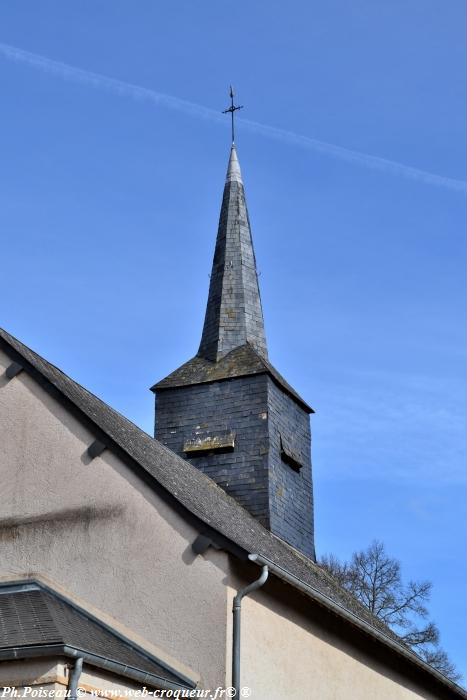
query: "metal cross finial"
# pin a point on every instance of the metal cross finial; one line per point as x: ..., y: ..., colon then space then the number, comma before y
x: 232, y: 109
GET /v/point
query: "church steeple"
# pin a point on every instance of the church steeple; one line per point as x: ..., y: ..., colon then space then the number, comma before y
x: 228, y: 410
x: 234, y: 315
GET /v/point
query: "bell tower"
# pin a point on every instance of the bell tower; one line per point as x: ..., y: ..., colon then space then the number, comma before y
x: 227, y: 410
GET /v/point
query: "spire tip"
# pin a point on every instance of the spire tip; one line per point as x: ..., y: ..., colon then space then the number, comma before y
x: 234, y: 173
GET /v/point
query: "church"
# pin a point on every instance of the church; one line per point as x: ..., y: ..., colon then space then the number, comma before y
x: 180, y: 565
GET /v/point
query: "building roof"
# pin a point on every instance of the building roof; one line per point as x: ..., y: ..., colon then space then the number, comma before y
x: 234, y: 315
x: 35, y: 621
x: 242, y: 361
x: 211, y: 507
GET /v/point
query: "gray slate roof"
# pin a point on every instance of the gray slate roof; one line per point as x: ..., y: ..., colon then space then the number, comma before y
x: 211, y: 506
x: 234, y: 314
x: 32, y: 620
x: 240, y: 362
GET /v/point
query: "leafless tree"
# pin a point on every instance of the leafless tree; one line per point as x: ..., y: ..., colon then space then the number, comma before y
x: 374, y: 578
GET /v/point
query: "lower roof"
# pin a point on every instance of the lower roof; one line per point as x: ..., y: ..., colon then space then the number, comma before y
x: 37, y: 621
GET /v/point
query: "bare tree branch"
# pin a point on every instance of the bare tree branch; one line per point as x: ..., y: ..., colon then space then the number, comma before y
x: 439, y: 660
x: 375, y: 580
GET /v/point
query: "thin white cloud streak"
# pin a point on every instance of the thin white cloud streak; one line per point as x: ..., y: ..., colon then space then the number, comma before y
x: 136, y: 92
x: 394, y: 426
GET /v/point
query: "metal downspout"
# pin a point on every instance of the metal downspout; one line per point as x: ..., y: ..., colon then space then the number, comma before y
x: 74, y: 678
x: 237, y: 610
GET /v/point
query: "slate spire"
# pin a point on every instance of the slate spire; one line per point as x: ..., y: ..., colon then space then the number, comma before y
x: 228, y: 410
x: 234, y: 315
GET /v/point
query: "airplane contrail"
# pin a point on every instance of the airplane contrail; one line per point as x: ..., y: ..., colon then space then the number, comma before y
x: 137, y: 92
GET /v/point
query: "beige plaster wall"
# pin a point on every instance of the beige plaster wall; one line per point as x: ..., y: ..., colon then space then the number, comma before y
x: 286, y: 655
x: 28, y: 678
x: 95, y: 530
x: 28, y: 672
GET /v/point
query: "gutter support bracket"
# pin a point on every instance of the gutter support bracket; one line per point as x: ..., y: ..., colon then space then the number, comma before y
x: 95, y: 449
x: 13, y: 369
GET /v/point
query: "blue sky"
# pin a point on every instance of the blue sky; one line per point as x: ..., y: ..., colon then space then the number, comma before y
x: 356, y: 177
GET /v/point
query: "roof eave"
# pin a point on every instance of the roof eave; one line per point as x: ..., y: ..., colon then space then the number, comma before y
x: 48, y: 650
